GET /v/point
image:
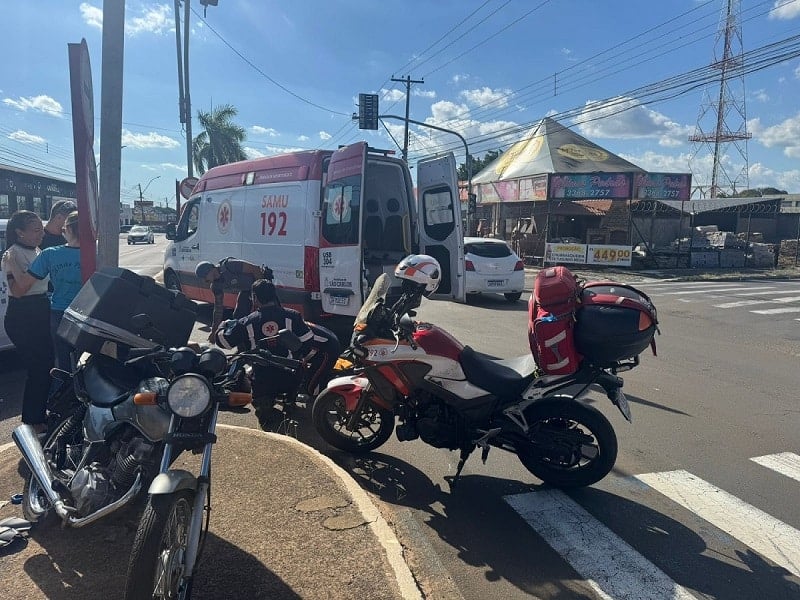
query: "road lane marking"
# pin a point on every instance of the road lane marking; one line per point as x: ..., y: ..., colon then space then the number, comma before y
x: 753, y: 302
x: 777, y: 311
x: 785, y: 463
x: 760, y: 531
x: 610, y: 566
x: 708, y: 291
x: 771, y: 293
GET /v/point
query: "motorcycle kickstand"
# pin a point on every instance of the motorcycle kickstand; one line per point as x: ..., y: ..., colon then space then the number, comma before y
x: 465, y: 452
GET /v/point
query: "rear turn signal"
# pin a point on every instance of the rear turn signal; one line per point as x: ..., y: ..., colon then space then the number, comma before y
x: 145, y: 398
x: 520, y: 266
x: 239, y: 398
x: 470, y: 266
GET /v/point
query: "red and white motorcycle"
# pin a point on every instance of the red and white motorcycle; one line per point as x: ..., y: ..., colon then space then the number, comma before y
x: 453, y: 397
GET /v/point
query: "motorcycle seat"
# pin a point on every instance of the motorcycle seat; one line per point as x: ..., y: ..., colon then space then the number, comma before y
x: 108, y: 385
x: 502, y: 377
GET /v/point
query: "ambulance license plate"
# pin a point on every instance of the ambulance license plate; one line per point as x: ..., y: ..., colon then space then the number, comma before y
x: 340, y: 300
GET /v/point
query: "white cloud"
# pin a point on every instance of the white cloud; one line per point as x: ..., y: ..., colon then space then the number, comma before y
x: 796, y: 74
x: 785, y: 9
x: 761, y: 95
x: 173, y: 166
x: 282, y: 149
x: 258, y: 129
x: 302, y: 138
x: 324, y: 135
x: 25, y: 137
x: 147, y: 140
x: 625, y: 118
x: 44, y: 104
x: 253, y: 152
x: 155, y: 19
x: 761, y: 176
x: 486, y: 96
x: 92, y: 15
x: 392, y: 95
x: 459, y: 78
x: 784, y: 135
x: 423, y: 93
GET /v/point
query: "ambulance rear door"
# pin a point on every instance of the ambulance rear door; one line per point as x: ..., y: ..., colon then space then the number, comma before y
x: 439, y: 218
x: 340, y: 269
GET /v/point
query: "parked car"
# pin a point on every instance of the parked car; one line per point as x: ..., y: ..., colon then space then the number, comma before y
x: 493, y: 267
x: 141, y: 234
x: 125, y: 228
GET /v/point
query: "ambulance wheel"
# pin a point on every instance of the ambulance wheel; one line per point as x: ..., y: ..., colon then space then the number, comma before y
x: 171, y: 281
x: 513, y: 297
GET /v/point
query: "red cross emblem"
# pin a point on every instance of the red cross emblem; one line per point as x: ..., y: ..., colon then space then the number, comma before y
x: 224, y: 215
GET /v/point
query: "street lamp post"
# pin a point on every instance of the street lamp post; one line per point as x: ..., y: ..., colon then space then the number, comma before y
x: 141, y: 197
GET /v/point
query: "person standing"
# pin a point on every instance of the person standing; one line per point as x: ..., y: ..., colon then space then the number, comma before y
x: 59, y: 212
x: 63, y: 265
x: 27, y: 319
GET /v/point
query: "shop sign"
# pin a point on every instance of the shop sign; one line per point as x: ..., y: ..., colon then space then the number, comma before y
x: 662, y: 186
x: 565, y: 253
x: 588, y: 186
x: 608, y: 255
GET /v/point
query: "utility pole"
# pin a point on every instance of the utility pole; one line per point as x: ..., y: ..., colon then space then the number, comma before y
x: 408, y: 81
x: 141, y: 195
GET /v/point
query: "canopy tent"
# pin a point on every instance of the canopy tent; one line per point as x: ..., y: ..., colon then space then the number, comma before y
x: 549, y: 147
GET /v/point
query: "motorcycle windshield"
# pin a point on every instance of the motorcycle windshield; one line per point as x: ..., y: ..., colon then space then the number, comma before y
x: 378, y: 293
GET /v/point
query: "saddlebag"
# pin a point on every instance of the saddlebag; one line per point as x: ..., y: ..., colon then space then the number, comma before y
x: 614, y: 321
x: 99, y: 319
x: 551, y: 321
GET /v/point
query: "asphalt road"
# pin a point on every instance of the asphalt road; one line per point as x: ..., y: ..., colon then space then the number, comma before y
x: 701, y: 503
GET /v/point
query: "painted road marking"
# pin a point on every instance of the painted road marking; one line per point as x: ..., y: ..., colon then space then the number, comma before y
x: 753, y: 302
x: 583, y: 541
x: 785, y: 463
x: 710, y: 291
x: 777, y: 311
x: 760, y: 531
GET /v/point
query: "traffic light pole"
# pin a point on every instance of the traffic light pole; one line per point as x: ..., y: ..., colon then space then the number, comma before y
x: 470, y: 206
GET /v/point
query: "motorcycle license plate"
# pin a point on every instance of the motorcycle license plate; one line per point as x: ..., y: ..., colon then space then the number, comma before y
x: 622, y: 404
x: 495, y: 282
x: 340, y: 300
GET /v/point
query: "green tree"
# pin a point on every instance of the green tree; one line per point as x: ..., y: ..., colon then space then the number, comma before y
x: 477, y: 164
x: 765, y: 191
x: 221, y: 140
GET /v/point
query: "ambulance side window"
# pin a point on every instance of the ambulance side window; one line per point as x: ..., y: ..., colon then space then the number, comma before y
x: 189, y: 220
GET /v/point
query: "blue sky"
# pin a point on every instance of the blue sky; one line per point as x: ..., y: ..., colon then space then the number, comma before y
x: 492, y: 68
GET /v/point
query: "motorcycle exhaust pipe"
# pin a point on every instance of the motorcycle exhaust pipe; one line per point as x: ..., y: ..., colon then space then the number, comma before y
x: 28, y: 443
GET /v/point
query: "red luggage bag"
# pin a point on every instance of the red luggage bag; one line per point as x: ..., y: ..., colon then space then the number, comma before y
x: 551, y: 321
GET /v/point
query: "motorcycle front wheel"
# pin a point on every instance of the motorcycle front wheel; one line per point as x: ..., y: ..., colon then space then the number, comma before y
x: 156, y: 566
x: 330, y: 418
x: 568, y: 444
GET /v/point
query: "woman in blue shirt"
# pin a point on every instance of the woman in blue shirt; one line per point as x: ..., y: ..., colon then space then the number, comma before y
x: 63, y: 265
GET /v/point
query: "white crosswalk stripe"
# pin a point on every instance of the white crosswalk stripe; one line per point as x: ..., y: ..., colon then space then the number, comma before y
x: 580, y: 538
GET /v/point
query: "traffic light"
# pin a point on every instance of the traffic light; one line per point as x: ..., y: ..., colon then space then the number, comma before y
x: 208, y: 2
x: 472, y: 204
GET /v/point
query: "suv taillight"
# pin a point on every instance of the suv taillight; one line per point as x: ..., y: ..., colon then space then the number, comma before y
x: 470, y: 266
x: 520, y: 266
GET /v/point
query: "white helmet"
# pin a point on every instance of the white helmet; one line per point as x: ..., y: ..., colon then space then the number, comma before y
x: 422, y: 270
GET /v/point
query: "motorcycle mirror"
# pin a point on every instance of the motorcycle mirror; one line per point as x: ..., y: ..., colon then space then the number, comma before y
x: 290, y: 340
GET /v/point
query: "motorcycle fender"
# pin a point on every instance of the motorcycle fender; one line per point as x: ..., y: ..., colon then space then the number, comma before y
x: 349, y: 388
x: 172, y: 481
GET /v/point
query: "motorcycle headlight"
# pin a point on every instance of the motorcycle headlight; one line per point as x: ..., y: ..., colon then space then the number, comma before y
x: 189, y: 396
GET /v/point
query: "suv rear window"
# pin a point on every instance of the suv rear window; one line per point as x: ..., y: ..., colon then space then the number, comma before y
x: 488, y: 250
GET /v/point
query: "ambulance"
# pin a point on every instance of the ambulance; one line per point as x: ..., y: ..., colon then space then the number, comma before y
x: 328, y: 223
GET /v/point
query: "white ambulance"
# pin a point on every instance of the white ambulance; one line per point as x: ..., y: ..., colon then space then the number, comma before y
x: 327, y: 223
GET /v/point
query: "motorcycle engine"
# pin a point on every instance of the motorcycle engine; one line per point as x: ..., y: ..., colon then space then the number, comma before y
x: 437, y: 424
x: 91, y: 489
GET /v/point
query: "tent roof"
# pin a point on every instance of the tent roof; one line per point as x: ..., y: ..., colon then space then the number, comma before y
x: 552, y: 148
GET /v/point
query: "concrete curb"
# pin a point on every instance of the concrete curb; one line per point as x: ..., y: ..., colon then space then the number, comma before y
x: 384, y: 534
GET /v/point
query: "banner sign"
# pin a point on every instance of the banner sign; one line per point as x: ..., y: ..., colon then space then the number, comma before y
x: 662, y: 186
x: 608, y: 255
x: 80, y: 84
x: 499, y: 191
x: 533, y: 188
x: 587, y: 186
x: 565, y: 253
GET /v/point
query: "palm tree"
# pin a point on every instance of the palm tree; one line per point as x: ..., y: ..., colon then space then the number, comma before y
x: 221, y: 141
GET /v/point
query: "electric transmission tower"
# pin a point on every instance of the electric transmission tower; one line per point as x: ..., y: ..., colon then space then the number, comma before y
x: 722, y: 122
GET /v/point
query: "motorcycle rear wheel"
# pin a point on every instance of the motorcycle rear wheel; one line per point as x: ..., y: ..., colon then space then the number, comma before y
x: 35, y: 505
x: 569, y: 444
x: 330, y: 418
x: 159, y: 550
